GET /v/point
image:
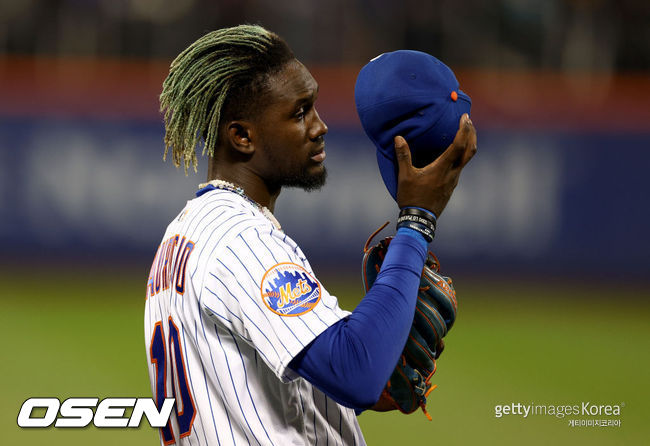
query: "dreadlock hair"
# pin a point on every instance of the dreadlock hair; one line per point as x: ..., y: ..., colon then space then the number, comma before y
x: 218, y: 77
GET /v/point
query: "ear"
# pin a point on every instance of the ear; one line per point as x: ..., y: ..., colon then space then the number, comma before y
x: 240, y: 136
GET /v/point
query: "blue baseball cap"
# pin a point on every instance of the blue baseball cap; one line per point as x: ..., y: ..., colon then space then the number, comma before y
x: 414, y: 95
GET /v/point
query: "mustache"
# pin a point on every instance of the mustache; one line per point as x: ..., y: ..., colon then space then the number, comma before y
x: 320, y: 146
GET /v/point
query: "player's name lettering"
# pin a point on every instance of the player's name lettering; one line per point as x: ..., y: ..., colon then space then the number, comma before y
x: 78, y: 412
x: 169, y: 265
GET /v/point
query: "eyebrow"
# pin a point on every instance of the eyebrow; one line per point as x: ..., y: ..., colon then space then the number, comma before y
x: 309, y: 98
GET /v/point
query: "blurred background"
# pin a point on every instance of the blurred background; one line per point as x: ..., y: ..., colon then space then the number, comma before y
x: 546, y: 236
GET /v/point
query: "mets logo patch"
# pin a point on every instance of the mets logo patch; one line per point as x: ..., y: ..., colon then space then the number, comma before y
x: 289, y: 290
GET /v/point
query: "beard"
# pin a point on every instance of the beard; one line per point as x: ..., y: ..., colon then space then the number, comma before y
x: 302, y: 177
x: 305, y: 180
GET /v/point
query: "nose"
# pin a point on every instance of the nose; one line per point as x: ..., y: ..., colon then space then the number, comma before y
x: 318, y: 127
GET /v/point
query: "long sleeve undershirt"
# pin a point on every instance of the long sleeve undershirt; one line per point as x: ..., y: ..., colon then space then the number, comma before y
x: 353, y: 359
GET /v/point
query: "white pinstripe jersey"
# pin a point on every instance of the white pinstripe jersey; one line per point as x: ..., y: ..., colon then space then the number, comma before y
x: 231, y: 300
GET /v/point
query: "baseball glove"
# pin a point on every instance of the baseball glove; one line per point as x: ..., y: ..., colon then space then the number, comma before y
x: 435, y: 312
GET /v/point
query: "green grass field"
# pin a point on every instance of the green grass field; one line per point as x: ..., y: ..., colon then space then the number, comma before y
x: 80, y: 334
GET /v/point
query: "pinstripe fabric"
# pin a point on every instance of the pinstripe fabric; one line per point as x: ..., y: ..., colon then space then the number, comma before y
x: 235, y: 349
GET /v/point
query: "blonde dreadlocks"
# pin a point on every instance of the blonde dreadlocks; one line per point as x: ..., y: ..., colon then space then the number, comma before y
x: 219, y: 76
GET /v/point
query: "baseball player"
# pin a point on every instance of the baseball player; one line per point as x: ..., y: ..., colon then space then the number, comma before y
x: 238, y: 328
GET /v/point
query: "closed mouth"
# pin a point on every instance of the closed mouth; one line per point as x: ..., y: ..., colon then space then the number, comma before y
x: 319, y: 156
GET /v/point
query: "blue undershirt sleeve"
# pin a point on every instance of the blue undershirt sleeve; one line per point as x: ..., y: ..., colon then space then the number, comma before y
x: 353, y: 359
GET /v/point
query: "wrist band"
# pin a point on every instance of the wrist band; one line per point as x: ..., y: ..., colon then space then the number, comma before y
x: 428, y: 212
x: 419, y: 220
x: 426, y: 232
x: 415, y: 219
x: 413, y: 212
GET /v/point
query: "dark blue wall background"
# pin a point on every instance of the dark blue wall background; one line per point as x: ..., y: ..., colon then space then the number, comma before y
x: 530, y: 202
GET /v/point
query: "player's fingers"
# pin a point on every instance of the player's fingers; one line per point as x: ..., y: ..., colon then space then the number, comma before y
x: 454, y: 154
x: 471, y: 148
x: 403, y: 155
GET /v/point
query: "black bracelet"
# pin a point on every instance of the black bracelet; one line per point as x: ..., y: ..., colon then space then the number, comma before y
x: 417, y: 215
x: 427, y: 231
x: 415, y: 219
x: 418, y: 220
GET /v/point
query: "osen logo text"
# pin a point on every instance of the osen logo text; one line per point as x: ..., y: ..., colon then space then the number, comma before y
x: 78, y: 412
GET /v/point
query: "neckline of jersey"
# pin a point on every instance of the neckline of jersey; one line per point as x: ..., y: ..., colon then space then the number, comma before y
x: 228, y: 187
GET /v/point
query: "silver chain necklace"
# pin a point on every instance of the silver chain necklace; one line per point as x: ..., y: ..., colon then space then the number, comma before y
x: 225, y: 185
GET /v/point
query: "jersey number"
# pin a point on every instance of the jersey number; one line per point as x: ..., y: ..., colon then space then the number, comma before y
x: 185, y: 411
